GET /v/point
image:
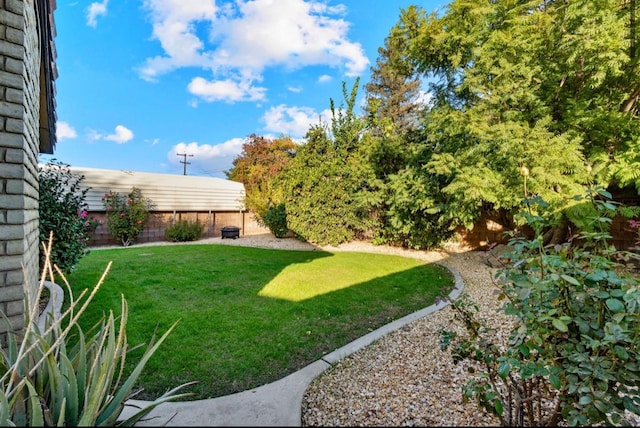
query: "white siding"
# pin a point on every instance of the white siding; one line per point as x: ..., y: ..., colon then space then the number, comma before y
x: 168, y: 192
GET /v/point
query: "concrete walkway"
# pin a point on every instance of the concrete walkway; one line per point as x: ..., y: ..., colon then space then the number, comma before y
x: 278, y: 403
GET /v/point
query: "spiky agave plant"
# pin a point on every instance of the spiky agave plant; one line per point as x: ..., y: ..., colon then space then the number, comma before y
x: 48, y: 381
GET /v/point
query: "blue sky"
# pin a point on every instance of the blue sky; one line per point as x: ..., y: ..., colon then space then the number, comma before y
x: 140, y: 81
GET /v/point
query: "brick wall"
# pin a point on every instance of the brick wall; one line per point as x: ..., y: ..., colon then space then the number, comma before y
x: 159, y: 221
x: 19, y: 149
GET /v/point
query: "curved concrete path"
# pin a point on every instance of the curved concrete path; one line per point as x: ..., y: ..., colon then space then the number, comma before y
x: 54, y: 305
x: 278, y: 403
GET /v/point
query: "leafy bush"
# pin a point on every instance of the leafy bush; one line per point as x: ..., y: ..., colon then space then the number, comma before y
x: 573, y: 354
x: 329, y: 187
x: 62, y: 209
x: 276, y: 220
x: 183, y: 230
x: 126, y: 216
x: 55, y: 379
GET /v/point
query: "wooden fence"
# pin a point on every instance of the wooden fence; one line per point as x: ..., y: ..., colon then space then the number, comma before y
x: 484, y: 232
x: 158, y: 221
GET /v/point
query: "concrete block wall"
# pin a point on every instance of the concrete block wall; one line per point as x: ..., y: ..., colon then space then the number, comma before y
x: 19, y: 149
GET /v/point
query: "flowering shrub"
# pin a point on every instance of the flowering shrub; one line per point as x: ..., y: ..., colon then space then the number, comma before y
x: 62, y: 209
x: 126, y: 215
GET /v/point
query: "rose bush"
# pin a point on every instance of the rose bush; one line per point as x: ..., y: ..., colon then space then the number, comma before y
x: 126, y: 214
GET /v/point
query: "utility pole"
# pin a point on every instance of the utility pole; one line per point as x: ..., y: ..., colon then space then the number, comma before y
x: 184, y: 162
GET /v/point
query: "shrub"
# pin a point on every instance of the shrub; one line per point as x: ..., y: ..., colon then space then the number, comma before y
x: 183, y: 230
x: 573, y: 354
x: 276, y: 220
x: 62, y: 209
x: 55, y: 379
x: 126, y: 215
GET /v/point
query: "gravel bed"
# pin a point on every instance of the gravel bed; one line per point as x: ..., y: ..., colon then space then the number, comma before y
x: 404, y: 379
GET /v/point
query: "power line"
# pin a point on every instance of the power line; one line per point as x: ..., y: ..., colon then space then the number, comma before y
x: 184, y: 162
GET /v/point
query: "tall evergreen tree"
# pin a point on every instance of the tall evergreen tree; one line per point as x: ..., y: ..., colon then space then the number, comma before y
x: 407, y: 215
x: 394, y: 90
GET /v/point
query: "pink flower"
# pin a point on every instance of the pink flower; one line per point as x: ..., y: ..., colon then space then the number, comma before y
x: 84, y: 214
x: 121, y: 215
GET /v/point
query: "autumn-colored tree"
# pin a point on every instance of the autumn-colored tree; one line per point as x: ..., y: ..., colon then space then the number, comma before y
x: 260, y: 162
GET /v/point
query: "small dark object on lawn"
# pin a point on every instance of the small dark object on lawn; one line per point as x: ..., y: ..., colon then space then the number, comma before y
x: 230, y: 232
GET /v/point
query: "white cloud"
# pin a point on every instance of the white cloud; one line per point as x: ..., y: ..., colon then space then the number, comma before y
x: 292, y: 33
x: 210, y: 159
x: 293, y: 121
x: 325, y: 78
x: 245, y: 38
x: 174, y: 26
x: 121, y: 135
x: 64, y: 131
x: 225, y: 90
x: 294, y: 89
x: 94, y: 10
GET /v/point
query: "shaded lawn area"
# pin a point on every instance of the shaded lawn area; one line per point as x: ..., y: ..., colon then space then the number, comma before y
x: 249, y: 316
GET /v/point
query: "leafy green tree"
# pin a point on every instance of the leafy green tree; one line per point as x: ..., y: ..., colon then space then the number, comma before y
x: 409, y: 213
x: 550, y: 86
x: 62, y: 210
x: 328, y: 186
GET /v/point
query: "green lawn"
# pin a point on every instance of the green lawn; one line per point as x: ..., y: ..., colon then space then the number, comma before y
x: 249, y: 316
